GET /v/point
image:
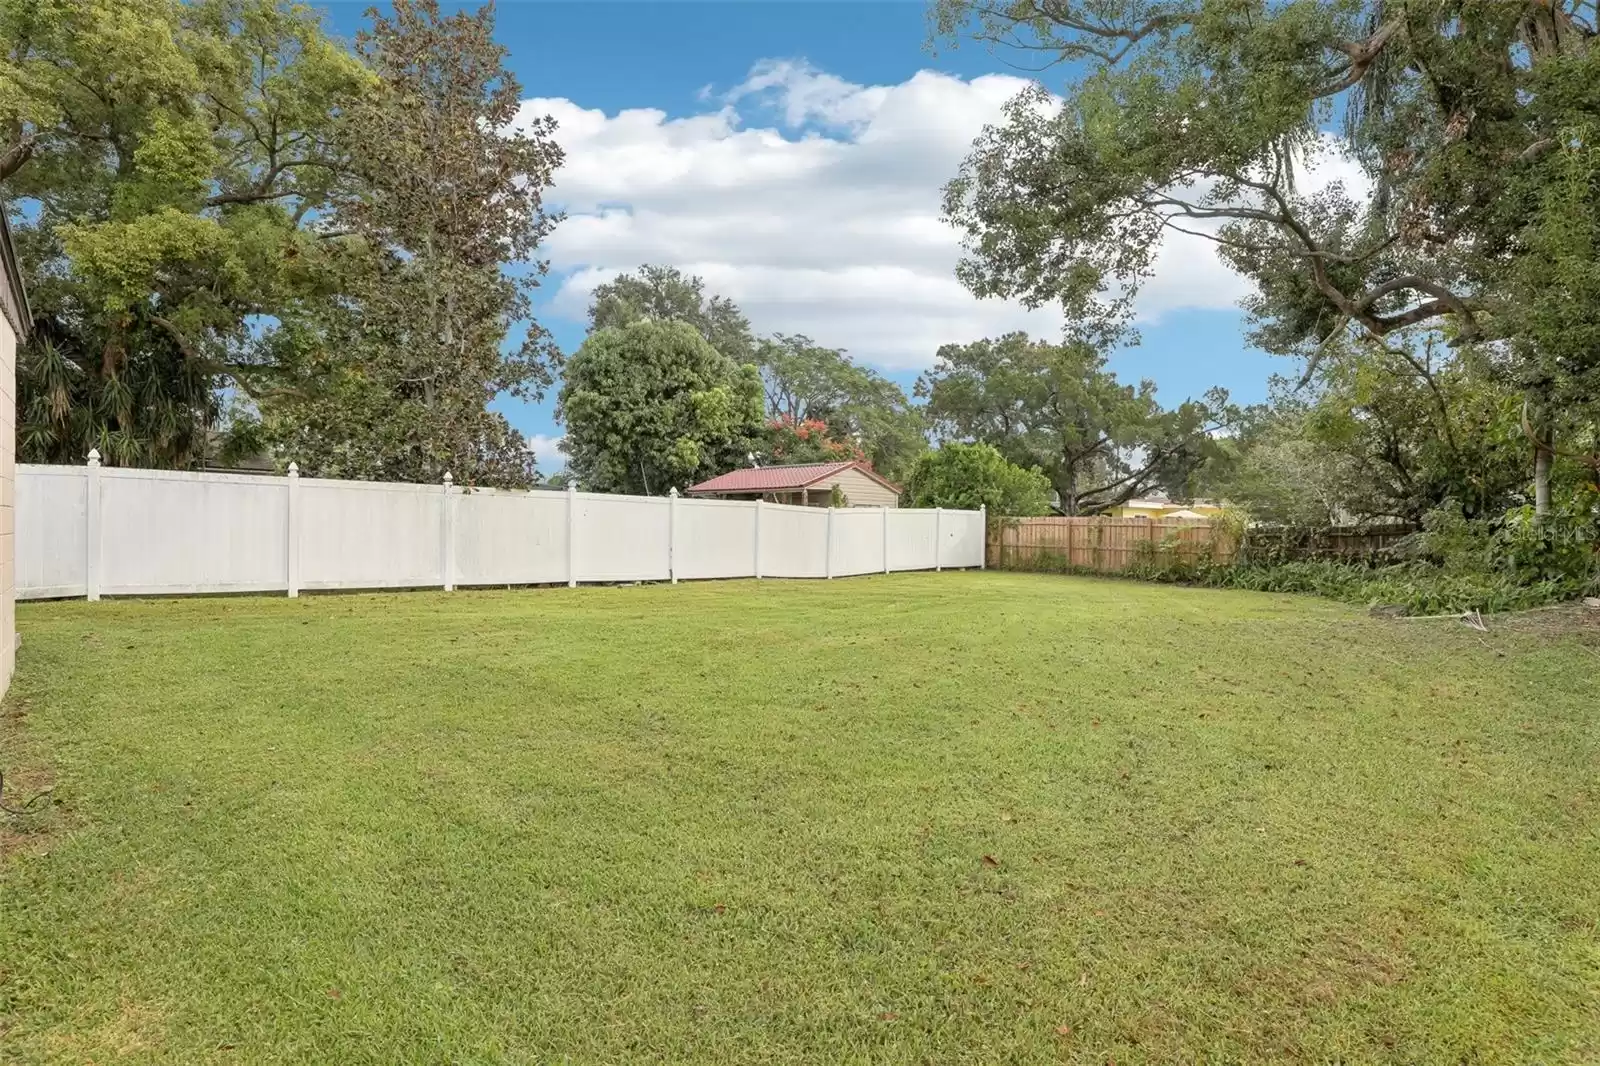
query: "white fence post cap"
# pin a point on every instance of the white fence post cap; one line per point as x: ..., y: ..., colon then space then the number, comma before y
x: 673, y: 491
x: 294, y: 468
x: 94, y: 456
x: 447, y: 478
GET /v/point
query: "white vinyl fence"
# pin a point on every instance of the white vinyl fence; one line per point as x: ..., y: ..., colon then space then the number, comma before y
x: 88, y: 531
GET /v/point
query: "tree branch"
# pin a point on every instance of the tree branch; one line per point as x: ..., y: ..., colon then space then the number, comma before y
x: 1119, y: 40
x: 1362, y: 55
x: 15, y: 156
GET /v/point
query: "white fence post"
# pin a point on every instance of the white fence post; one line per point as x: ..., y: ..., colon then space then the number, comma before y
x: 672, y: 534
x: 885, y: 539
x: 757, y: 549
x: 91, y: 512
x: 983, y: 526
x: 291, y: 553
x: 938, y: 537
x: 448, y: 528
x: 827, y: 551
x: 572, y: 534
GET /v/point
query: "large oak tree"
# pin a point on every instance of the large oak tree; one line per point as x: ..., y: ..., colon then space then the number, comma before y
x: 1056, y: 407
x: 1473, y: 122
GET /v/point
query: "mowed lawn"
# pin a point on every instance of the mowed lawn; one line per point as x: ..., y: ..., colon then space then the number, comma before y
x: 938, y: 818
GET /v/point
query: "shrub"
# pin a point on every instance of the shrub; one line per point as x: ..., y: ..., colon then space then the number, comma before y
x: 1559, y: 547
x: 1416, y: 587
x: 970, y: 476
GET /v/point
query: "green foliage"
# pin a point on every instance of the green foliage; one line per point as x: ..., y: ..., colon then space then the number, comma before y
x: 1383, y: 431
x: 1056, y: 407
x: 1473, y: 125
x: 160, y: 160
x: 1559, y: 546
x: 810, y: 441
x: 1518, y: 545
x: 667, y: 294
x: 1283, y: 477
x: 862, y: 411
x: 214, y: 198
x: 1417, y: 588
x: 837, y: 497
x: 392, y: 378
x: 652, y: 406
x: 1455, y: 564
x: 821, y: 406
x: 969, y: 476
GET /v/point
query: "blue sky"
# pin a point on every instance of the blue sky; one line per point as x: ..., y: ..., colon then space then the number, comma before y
x: 792, y: 153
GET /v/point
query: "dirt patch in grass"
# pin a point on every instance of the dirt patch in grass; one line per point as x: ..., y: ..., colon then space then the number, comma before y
x: 30, y: 814
x: 133, y: 1030
x: 1568, y: 619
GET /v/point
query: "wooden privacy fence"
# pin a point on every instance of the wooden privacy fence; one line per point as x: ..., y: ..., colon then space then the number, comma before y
x: 1109, y: 545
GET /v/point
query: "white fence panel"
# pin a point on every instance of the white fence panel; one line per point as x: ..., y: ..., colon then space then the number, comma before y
x: 52, y: 535
x: 961, y: 538
x: 714, y: 538
x: 166, y: 531
x: 857, y: 541
x: 510, y: 538
x: 794, y: 541
x: 366, y: 535
x: 88, y: 530
x: 913, y: 541
x: 621, y: 538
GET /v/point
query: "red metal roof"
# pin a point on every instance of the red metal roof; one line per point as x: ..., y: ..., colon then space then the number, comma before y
x: 782, y: 478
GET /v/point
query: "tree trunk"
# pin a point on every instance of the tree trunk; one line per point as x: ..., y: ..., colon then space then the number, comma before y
x: 1541, y: 473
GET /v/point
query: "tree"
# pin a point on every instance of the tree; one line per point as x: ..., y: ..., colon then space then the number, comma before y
x: 862, y: 410
x: 1056, y: 407
x: 652, y: 405
x: 666, y: 294
x: 162, y: 161
x: 1554, y: 293
x: 1284, y: 478
x: 1397, y: 430
x: 1461, y: 116
x: 969, y: 476
x: 807, y: 441
x: 804, y: 382
x: 394, y: 379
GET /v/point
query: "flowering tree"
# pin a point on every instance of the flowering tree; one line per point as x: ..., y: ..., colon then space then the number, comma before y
x: 808, y: 440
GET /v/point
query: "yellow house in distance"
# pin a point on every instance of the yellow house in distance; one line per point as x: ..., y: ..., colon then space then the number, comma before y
x: 1156, y: 507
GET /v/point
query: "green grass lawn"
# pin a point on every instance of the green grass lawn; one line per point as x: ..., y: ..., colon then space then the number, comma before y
x: 966, y: 817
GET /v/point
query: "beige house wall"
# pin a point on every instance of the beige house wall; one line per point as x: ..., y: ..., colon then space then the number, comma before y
x: 861, y: 490
x: 8, y: 496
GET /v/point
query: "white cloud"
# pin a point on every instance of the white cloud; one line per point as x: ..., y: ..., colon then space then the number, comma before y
x: 824, y: 221
x: 546, y: 451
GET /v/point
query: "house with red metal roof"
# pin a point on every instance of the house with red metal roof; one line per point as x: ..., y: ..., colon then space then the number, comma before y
x: 806, y: 484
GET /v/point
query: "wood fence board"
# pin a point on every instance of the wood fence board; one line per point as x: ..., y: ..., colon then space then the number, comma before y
x: 1112, y: 545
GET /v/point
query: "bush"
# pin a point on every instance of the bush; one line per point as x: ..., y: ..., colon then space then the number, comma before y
x: 970, y: 476
x: 1415, y: 587
x: 1559, y: 547
x: 1453, y: 565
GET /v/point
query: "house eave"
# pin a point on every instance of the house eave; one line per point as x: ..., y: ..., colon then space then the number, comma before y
x: 13, y: 297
